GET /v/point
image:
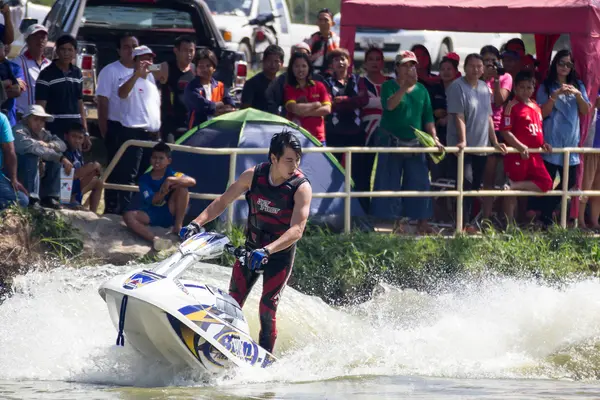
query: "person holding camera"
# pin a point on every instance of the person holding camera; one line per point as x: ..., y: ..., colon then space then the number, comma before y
x: 500, y: 84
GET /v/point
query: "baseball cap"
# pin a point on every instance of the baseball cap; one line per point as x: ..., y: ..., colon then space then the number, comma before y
x: 453, y: 56
x: 528, y: 59
x: 38, y: 111
x: 511, y: 54
x: 142, y: 50
x: 406, y: 56
x: 302, y: 46
x: 35, y: 28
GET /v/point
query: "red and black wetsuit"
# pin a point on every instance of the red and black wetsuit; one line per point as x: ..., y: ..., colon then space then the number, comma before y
x: 269, y: 216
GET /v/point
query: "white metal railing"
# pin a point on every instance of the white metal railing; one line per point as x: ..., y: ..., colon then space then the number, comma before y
x: 348, y: 194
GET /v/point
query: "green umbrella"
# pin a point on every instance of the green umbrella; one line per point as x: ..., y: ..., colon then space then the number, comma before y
x: 427, y: 141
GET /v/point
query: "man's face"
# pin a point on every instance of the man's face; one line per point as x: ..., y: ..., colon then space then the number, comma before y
x: 66, y: 53
x: 405, y: 69
x: 159, y: 161
x: 126, y: 49
x: 511, y: 65
x: 37, y: 41
x: 75, y: 139
x: 324, y: 22
x: 517, y: 48
x: 186, y: 52
x: 36, y: 124
x: 287, y: 164
x: 271, y: 64
x: 205, y: 69
x: 474, y: 69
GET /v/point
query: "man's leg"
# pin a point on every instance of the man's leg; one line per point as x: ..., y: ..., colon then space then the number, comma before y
x: 275, y: 277
x: 242, y: 280
x: 95, y: 185
x: 138, y: 222
x: 28, y: 172
x: 178, y: 204
x: 50, y: 183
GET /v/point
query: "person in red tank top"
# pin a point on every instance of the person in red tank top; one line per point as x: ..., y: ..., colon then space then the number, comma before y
x: 522, y: 128
x: 279, y: 197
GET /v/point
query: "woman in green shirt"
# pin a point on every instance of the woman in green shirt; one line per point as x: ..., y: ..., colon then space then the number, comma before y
x: 406, y: 105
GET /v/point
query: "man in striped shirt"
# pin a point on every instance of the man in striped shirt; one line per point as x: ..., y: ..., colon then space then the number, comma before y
x: 32, y: 62
x: 59, y: 90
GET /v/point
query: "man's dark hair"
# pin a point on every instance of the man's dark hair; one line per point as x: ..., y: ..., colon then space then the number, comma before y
x: 490, y: 49
x: 340, y: 52
x: 291, y: 78
x: 524, y: 76
x: 374, y: 49
x: 184, y: 39
x: 76, y: 127
x: 274, y: 50
x: 280, y: 141
x: 122, y: 37
x: 471, y: 57
x: 206, y: 54
x: 162, y: 147
x: 66, y: 39
x: 518, y: 41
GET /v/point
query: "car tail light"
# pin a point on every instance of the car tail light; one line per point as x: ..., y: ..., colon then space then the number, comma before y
x: 260, y: 36
x: 88, y: 72
x: 87, y: 62
x: 241, y: 72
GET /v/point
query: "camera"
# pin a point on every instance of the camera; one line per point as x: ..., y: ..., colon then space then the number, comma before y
x: 499, y: 68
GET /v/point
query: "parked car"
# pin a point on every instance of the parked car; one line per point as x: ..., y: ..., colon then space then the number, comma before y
x: 439, y: 43
x: 156, y: 23
x: 232, y: 17
x: 19, y: 10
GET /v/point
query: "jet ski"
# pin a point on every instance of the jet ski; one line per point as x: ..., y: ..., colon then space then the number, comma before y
x: 182, y: 322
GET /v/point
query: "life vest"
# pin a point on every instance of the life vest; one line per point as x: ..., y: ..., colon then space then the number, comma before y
x: 270, y: 207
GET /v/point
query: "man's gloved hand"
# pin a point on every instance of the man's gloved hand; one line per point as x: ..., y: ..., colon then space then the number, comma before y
x: 190, y: 230
x: 258, y: 258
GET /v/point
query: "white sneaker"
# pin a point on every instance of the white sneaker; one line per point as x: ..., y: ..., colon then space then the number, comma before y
x: 160, y: 244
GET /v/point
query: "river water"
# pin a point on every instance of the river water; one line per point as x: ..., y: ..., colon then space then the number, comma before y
x: 488, y: 339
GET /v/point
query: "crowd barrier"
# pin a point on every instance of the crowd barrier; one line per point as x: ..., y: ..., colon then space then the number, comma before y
x: 458, y: 193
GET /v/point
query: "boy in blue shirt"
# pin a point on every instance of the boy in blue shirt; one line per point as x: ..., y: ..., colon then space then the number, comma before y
x: 164, y: 197
x: 87, y: 176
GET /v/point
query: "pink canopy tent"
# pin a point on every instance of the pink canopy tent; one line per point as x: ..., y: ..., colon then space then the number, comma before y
x: 546, y: 19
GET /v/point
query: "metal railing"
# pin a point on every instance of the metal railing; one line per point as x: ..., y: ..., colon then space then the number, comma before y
x: 348, y: 194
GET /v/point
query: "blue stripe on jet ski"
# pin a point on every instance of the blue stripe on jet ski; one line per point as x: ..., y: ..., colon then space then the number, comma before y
x: 195, y: 286
x: 191, y: 309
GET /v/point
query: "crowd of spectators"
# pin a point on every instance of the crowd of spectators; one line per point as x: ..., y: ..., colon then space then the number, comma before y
x: 43, y: 127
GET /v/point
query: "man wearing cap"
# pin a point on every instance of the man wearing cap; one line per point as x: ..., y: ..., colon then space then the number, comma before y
x: 59, y: 90
x: 140, y: 117
x: 322, y: 42
x: 32, y: 62
x: 37, y: 149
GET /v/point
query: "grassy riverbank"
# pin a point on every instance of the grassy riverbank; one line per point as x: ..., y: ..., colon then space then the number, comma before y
x: 341, y: 268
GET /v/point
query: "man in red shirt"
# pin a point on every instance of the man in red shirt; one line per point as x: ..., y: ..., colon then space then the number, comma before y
x: 306, y: 100
x: 521, y: 127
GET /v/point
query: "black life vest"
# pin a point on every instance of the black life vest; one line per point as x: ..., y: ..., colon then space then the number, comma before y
x: 269, y: 207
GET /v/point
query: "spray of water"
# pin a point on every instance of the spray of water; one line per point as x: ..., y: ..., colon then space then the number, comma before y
x: 56, y: 327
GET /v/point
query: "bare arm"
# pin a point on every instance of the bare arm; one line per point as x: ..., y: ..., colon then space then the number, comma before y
x: 582, y: 104
x: 500, y: 94
x: 126, y: 88
x: 394, y: 100
x: 492, y: 132
x: 549, y: 105
x: 219, y: 205
x: 461, y: 129
x: 300, y: 214
x: 103, y: 115
x: 301, y: 109
x: 162, y: 75
x: 9, y: 30
x: 513, y: 141
x: 322, y: 111
x: 10, y: 161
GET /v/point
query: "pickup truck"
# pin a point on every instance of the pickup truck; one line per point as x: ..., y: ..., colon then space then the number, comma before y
x: 231, y: 16
x: 156, y: 23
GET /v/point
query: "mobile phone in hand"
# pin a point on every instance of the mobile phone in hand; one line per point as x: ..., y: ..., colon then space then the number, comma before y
x: 154, y: 67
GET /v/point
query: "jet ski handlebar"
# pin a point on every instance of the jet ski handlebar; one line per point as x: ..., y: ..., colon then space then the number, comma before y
x: 238, y: 252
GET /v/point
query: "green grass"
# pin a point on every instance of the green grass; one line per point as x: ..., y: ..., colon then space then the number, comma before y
x: 44, y: 2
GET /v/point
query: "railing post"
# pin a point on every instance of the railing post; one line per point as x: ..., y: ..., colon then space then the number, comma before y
x: 460, y: 175
x: 565, y: 190
x: 348, y: 189
x: 232, y: 167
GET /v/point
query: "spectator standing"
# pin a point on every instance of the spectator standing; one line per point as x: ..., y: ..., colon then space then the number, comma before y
x: 306, y: 100
x: 470, y: 124
x: 254, y: 93
x: 32, y: 62
x: 13, y: 82
x: 109, y: 108
x: 426, y: 77
x: 174, y: 76
x: 205, y: 97
x: 11, y: 190
x: 140, y: 117
x: 369, y: 87
x: 591, y: 176
x: 323, y: 41
x: 38, y: 149
x: 500, y: 86
x: 511, y: 60
x: 562, y: 97
x: 59, y: 90
x: 406, y: 105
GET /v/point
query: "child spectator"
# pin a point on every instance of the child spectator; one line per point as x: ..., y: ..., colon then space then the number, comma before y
x: 86, y: 177
x: 522, y: 129
x: 165, y: 199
